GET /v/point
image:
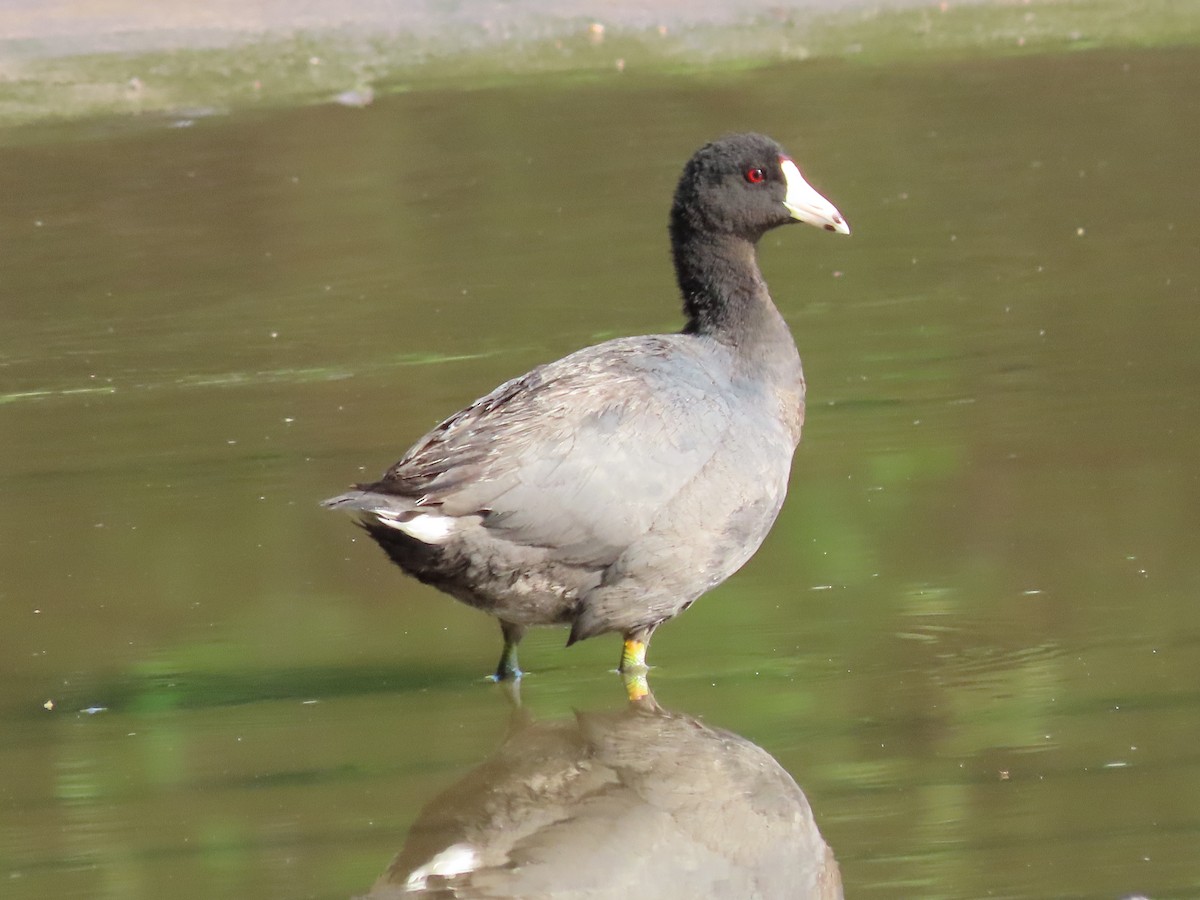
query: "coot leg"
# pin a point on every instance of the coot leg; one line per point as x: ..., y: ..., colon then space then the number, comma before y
x: 633, y: 654
x: 633, y: 666
x: 508, y: 667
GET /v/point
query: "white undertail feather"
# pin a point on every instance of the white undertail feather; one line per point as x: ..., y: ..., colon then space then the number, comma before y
x: 457, y: 859
x: 429, y: 528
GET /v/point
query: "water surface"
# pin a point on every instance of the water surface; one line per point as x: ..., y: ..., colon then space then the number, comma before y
x: 972, y: 638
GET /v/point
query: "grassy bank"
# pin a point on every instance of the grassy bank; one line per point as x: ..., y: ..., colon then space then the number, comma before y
x: 244, y: 69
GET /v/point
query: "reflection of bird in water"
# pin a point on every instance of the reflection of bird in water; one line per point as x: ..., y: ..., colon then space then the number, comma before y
x: 639, y: 803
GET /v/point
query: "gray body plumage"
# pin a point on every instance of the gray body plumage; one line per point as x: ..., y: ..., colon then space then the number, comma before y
x: 606, y: 490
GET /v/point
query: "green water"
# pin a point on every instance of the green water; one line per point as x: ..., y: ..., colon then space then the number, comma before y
x: 972, y: 638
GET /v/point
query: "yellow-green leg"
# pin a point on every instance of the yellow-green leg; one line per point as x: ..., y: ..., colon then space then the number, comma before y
x: 633, y: 656
x: 508, y: 667
x: 633, y: 666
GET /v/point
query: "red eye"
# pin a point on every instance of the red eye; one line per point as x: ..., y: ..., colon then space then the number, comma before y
x: 756, y: 176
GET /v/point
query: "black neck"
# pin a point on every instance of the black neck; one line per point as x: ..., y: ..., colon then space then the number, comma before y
x: 724, y: 295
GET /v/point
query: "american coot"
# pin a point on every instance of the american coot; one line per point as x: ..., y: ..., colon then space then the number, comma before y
x: 608, y: 490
